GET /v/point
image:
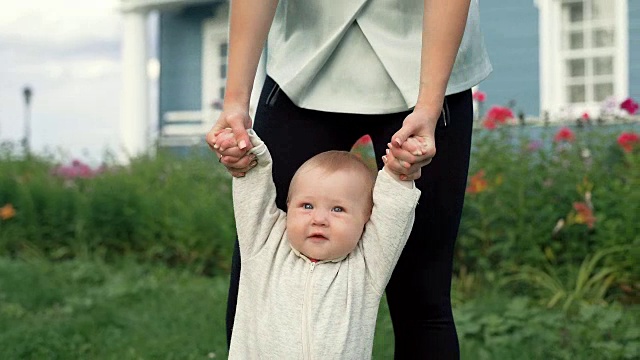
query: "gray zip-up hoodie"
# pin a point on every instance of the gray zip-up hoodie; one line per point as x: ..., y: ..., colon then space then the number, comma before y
x: 292, y: 308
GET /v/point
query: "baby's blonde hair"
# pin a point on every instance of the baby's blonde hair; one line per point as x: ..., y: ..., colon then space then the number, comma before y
x: 334, y: 161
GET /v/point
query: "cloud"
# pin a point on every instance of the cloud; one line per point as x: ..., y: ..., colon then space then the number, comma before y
x: 59, y: 38
x: 68, y: 51
x: 59, y: 22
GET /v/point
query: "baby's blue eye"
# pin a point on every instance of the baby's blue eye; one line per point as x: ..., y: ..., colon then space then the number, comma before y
x: 337, y: 209
x: 307, y: 206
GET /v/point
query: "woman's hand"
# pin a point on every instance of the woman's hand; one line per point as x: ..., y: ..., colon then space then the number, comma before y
x: 232, y: 151
x: 413, y: 146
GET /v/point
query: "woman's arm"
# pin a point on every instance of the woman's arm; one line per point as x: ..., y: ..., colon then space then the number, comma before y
x: 443, y: 25
x: 249, y: 24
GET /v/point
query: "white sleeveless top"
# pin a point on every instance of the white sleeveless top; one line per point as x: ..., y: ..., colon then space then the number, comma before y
x: 361, y: 56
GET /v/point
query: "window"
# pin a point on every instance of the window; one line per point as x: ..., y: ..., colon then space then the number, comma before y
x: 222, y: 53
x: 583, y: 54
x: 588, y: 33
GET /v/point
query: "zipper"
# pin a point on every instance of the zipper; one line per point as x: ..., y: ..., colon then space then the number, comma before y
x: 306, y: 351
x: 445, y: 113
x: 273, y: 95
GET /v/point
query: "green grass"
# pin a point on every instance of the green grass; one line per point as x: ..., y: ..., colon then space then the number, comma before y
x: 86, y: 309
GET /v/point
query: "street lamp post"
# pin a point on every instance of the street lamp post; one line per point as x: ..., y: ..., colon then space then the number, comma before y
x: 27, y: 93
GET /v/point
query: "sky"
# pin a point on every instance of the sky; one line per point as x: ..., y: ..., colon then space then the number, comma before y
x: 68, y: 53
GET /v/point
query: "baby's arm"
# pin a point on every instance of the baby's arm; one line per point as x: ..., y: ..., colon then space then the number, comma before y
x: 254, y: 195
x: 387, y: 231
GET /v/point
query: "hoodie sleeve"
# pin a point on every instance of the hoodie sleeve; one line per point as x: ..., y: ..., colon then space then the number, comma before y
x: 254, y: 203
x: 388, y: 229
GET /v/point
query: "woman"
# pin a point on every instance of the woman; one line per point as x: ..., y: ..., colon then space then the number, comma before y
x: 337, y: 70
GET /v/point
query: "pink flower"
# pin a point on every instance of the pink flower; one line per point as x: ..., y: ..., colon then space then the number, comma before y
x: 479, y: 96
x: 627, y: 140
x: 534, y: 145
x: 500, y: 114
x: 585, y: 116
x: 77, y: 169
x: 629, y: 106
x: 564, y: 134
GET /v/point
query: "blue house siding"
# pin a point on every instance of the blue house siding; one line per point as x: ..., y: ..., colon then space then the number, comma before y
x: 510, y: 29
x: 180, y: 53
x: 634, y: 49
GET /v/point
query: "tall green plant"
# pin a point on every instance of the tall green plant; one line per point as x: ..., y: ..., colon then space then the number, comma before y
x: 587, y: 285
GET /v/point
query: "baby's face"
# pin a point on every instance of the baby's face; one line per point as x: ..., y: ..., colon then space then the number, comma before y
x: 327, y: 212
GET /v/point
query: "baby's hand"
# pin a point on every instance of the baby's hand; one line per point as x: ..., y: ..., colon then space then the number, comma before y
x: 398, y: 176
x: 238, y: 165
x: 224, y: 139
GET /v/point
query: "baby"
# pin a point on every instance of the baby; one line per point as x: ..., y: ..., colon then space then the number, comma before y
x: 312, y: 278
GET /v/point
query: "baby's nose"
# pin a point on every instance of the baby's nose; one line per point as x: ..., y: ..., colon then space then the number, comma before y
x: 320, y: 217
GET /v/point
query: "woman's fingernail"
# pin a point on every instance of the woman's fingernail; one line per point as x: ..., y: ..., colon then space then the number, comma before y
x: 215, y: 146
x: 387, y: 150
x: 389, y: 145
x: 398, y: 142
x: 253, y: 163
x: 242, y: 144
x: 384, y: 159
x: 403, y: 177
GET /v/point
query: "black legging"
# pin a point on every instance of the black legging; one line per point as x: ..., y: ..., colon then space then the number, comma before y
x: 418, y: 293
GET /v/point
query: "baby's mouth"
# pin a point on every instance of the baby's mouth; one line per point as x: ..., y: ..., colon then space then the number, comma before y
x: 318, y: 237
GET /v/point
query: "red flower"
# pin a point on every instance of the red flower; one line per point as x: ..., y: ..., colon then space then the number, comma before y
x: 489, y: 124
x: 499, y: 114
x: 479, y: 96
x: 629, y: 106
x: 477, y: 183
x: 584, y: 214
x: 363, y: 148
x: 363, y: 141
x: 585, y: 116
x: 564, y: 134
x: 627, y: 140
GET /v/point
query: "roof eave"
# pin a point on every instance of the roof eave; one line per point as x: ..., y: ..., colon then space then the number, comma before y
x: 146, y: 5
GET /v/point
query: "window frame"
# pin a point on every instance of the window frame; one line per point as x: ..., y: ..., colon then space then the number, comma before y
x: 554, y: 76
x: 214, y: 35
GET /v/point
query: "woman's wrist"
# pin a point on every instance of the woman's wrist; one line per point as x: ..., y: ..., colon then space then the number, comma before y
x: 236, y: 99
x: 430, y: 103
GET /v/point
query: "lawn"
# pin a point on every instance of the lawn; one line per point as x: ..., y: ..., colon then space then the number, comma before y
x: 86, y: 309
x: 131, y: 261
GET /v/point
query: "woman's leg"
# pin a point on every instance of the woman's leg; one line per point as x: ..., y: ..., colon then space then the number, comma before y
x: 418, y: 293
x: 293, y: 135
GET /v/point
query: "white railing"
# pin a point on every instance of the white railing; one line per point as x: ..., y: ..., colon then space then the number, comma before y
x: 183, y: 128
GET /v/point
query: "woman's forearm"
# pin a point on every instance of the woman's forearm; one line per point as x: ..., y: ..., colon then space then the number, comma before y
x: 443, y: 26
x: 249, y: 25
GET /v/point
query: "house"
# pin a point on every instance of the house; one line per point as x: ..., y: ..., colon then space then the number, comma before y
x: 561, y: 58
x: 174, y: 58
x: 551, y: 57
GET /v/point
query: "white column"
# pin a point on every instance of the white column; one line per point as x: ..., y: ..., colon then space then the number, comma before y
x: 135, y: 93
x: 258, y: 82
